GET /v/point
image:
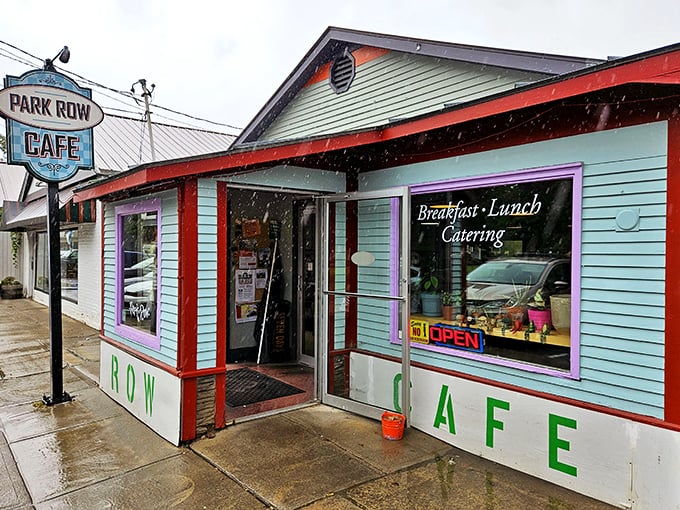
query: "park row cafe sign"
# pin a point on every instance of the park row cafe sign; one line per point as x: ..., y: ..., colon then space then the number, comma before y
x: 49, y: 124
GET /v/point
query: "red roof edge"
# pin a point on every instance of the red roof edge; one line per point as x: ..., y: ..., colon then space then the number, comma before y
x: 663, y: 68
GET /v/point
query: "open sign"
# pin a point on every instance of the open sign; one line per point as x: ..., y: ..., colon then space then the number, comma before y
x: 445, y: 335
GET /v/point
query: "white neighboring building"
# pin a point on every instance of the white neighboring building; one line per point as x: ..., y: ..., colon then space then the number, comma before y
x: 118, y: 147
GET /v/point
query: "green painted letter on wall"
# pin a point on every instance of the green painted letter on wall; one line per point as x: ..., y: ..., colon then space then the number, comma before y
x: 149, y: 387
x: 445, y: 400
x: 114, y: 373
x: 555, y: 443
x: 130, y: 384
x: 491, y: 422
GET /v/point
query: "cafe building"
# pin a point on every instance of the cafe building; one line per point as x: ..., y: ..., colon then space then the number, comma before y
x: 476, y: 238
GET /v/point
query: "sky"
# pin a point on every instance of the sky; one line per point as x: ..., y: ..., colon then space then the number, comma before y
x: 223, y: 60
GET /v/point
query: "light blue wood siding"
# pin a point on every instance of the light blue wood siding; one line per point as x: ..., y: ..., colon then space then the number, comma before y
x: 373, y: 315
x: 622, y: 272
x: 339, y: 272
x: 206, y: 336
x: 291, y: 177
x: 394, y: 85
x: 169, y: 287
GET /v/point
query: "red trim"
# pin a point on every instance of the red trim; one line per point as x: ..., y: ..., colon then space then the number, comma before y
x: 188, y: 299
x: 651, y: 69
x: 142, y: 357
x: 188, y: 425
x: 639, y: 418
x: 222, y: 303
x: 194, y: 374
x: 101, y: 273
x: 188, y: 275
x: 202, y: 372
x: 672, y: 344
x: 361, y: 56
x: 649, y: 420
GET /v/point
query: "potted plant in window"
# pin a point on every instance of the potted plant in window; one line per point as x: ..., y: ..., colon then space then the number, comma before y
x: 430, y: 296
x: 11, y: 288
x: 450, y: 302
x: 539, y: 311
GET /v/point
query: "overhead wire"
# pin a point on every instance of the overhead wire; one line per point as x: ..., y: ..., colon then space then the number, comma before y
x: 126, y: 94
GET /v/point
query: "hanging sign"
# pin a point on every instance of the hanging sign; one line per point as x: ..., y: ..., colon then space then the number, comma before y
x: 49, y: 124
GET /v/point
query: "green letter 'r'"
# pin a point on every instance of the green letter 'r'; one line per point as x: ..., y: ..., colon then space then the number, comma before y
x: 114, y: 373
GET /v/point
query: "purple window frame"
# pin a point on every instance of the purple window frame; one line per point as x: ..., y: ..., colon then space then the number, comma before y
x: 573, y: 171
x: 127, y: 332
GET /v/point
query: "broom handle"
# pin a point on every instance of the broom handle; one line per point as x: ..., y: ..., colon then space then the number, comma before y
x: 266, y: 303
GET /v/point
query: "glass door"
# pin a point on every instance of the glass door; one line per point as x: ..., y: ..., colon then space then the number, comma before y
x: 363, y: 300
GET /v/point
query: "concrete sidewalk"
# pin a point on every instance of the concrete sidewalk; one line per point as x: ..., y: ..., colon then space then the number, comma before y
x: 90, y: 453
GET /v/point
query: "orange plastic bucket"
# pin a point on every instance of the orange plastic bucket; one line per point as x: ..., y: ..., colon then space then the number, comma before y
x: 393, y: 425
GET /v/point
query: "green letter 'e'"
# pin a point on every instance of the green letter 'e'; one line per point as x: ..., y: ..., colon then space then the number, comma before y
x: 555, y: 443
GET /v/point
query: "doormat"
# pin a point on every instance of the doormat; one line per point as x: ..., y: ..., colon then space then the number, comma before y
x: 246, y: 386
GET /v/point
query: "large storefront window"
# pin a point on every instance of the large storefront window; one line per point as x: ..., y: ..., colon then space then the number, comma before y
x: 137, y: 264
x: 68, y: 251
x: 491, y: 268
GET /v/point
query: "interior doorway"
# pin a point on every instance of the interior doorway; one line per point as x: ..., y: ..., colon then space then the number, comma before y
x: 271, y: 351
x: 306, y: 237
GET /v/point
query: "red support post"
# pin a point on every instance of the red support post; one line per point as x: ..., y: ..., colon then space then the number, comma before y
x: 222, y: 303
x: 672, y: 305
x: 188, y: 299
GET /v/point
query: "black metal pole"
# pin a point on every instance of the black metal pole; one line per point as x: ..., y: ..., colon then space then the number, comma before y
x: 54, y: 261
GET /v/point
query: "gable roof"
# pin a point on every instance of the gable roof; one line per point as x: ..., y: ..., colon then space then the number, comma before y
x: 516, y: 66
x: 651, y: 77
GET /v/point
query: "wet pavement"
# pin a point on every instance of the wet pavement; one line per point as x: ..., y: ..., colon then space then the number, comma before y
x: 90, y: 453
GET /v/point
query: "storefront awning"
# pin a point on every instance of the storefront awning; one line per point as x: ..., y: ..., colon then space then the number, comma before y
x: 33, y: 215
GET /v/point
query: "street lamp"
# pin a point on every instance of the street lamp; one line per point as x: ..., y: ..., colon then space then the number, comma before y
x: 54, y: 260
x: 64, y: 55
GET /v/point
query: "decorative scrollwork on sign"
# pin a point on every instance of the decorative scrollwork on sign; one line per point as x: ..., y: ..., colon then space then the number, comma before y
x: 49, y: 80
x: 54, y: 167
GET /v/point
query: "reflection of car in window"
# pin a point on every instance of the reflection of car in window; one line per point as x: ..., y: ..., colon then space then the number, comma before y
x: 139, y: 282
x: 514, y: 281
x: 69, y: 263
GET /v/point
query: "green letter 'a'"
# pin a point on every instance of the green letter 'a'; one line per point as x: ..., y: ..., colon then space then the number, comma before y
x: 445, y: 400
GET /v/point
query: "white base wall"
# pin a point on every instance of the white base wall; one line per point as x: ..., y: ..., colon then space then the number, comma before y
x: 149, y: 393
x: 88, y: 307
x: 620, y: 461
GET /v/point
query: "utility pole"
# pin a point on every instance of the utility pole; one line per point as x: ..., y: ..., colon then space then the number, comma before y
x: 146, y: 94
